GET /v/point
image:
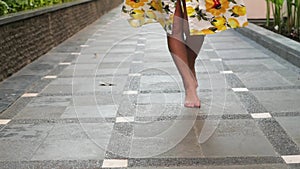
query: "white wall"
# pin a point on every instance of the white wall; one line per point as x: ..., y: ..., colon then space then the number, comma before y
x: 256, y: 9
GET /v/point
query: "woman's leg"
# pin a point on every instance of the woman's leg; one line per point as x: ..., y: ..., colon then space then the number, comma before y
x: 179, y: 53
x: 193, y: 47
x: 193, y: 43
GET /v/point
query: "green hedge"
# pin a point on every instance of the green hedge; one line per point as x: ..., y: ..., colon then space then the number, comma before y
x: 12, y: 6
x: 286, y: 17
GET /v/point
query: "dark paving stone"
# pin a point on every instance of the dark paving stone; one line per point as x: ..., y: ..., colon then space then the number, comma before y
x: 233, y: 81
x: 43, y: 112
x: 227, y: 161
x: 199, y: 117
x: 53, y: 164
x: 282, y: 114
x: 24, y: 132
x: 3, y: 106
x: 64, y: 120
x: 120, y: 141
x: 10, y: 95
x: 133, y: 83
x: 274, y: 88
x: 251, y: 166
x: 38, y: 86
x: 67, y: 48
x: 250, y: 102
x: 127, y: 108
x: 18, y: 150
x: 59, y: 101
x: 57, y: 70
x: 58, y: 89
x: 37, y: 68
x: 1, y: 126
x: 14, y: 109
x: 278, y: 137
x: 20, y: 82
x: 136, y: 67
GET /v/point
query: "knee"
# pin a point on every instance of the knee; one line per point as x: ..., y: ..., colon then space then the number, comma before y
x: 195, y: 38
x: 177, y: 32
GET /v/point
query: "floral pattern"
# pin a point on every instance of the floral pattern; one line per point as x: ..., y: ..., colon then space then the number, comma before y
x: 204, y: 16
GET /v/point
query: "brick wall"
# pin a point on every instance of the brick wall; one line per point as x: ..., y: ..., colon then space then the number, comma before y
x: 24, y: 40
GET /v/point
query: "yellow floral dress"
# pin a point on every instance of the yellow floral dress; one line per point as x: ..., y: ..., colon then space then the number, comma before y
x: 204, y: 16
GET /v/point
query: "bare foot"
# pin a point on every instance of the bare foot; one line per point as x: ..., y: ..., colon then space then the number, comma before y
x: 191, y: 99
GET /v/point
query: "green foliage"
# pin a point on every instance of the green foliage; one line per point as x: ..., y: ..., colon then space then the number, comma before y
x: 11, y: 6
x: 286, y: 15
x: 3, y: 8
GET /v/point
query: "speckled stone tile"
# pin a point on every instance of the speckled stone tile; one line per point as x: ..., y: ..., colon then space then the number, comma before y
x: 251, y: 103
x: 120, y: 141
x: 278, y: 137
x: 202, y: 162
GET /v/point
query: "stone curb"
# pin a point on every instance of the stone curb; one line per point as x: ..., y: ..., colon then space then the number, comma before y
x: 284, y: 47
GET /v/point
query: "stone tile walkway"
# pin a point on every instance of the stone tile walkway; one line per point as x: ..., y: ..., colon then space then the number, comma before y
x: 111, y: 97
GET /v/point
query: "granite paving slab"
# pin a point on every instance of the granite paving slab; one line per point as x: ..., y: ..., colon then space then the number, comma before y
x: 279, y: 101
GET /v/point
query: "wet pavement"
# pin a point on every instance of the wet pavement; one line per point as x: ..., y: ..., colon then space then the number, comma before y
x: 111, y: 97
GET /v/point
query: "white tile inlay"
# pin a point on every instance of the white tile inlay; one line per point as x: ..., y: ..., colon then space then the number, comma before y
x: 226, y: 72
x: 124, y: 119
x: 240, y: 89
x: 84, y: 46
x: 29, y: 95
x: 65, y: 63
x: 134, y: 74
x: 261, y: 115
x: 50, y: 77
x: 131, y: 92
x: 291, y: 159
x: 216, y: 60
x: 114, y: 163
x: 138, y: 61
x: 75, y: 53
x: 4, y: 121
